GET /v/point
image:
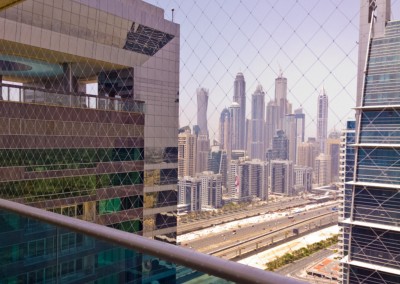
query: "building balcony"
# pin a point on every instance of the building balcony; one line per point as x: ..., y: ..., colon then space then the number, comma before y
x: 24, y: 94
x: 41, y: 246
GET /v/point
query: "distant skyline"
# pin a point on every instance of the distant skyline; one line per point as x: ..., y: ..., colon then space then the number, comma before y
x: 314, y: 43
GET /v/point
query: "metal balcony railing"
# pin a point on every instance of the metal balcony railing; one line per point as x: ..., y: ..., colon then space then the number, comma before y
x: 203, y: 263
x: 26, y: 94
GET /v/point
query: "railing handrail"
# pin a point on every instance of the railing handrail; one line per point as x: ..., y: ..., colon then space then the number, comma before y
x: 77, y: 94
x: 212, y: 265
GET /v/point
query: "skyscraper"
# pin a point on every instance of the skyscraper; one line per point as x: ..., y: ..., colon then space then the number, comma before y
x: 234, y: 111
x: 202, y: 104
x: 224, y: 130
x: 257, y: 148
x: 271, y: 122
x: 277, y: 110
x: 322, y: 171
x: 186, y: 154
x: 346, y: 172
x: 382, y: 17
x: 284, y: 107
x: 372, y: 254
x: 281, y: 175
x: 300, y: 126
x: 306, y: 154
x: 211, y: 190
x: 189, y: 194
x: 202, y: 152
x: 302, y: 179
x: 239, y: 96
x: 280, y: 147
x: 332, y: 149
x: 291, y: 133
x: 218, y: 164
x: 322, y: 120
x: 249, y: 179
x: 100, y: 158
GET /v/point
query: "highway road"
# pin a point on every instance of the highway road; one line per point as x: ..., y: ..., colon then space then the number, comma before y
x: 292, y: 268
x: 295, y: 269
x: 198, y: 224
x: 263, y: 242
x: 236, y: 242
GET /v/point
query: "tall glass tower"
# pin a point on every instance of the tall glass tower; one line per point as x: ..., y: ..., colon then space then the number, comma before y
x: 239, y: 97
x: 373, y: 252
x: 257, y: 124
x: 202, y: 104
x: 322, y: 120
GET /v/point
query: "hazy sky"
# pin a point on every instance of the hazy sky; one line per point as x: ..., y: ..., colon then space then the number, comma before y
x: 313, y: 42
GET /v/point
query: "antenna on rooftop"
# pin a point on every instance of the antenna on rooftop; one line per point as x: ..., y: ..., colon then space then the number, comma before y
x: 172, y: 11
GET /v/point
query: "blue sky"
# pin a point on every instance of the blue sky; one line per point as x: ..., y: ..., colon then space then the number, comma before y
x: 313, y: 42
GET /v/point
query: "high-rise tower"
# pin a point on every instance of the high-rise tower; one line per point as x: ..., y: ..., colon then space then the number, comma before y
x: 284, y: 107
x: 322, y: 171
x: 186, y: 154
x: 239, y: 96
x: 234, y: 111
x: 281, y: 175
x: 382, y: 16
x: 291, y: 134
x: 332, y: 149
x: 271, y: 122
x: 306, y: 154
x: 257, y: 148
x: 202, y: 152
x: 224, y: 130
x: 346, y: 174
x: 280, y: 147
x: 202, y: 104
x: 373, y: 226
x: 322, y: 120
x: 300, y: 125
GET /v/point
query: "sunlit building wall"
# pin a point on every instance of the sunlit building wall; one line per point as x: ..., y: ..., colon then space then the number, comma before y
x: 186, y: 154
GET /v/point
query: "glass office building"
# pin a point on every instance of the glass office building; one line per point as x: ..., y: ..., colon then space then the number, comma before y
x: 89, y: 111
x: 372, y: 254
